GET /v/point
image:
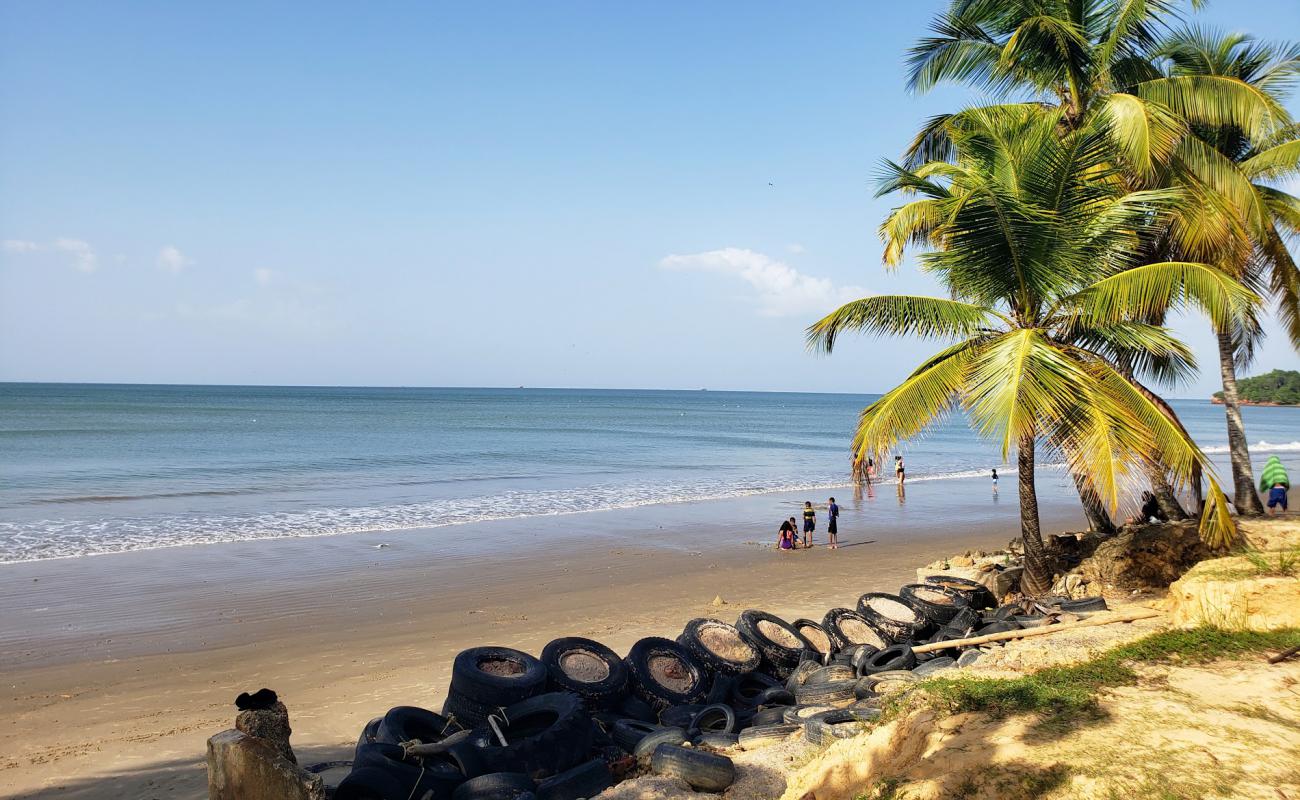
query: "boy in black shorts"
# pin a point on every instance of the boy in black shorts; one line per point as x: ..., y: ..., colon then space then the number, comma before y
x: 809, y: 523
x: 833, y: 525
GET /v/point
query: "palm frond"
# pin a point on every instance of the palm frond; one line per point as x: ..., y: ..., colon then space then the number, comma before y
x: 899, y: 315
x: 1218, y: 101
x: 1153, y: 289
x: 1146, y: 133
x: 1278, y: 161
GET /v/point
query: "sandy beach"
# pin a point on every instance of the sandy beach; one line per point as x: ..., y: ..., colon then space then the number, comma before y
x: 119, y: 667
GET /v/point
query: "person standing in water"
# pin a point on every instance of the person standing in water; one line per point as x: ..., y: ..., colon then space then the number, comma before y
x: 833, y: 526
x: 995, y: 480
x: 900, y: 472
x: 809, y: 523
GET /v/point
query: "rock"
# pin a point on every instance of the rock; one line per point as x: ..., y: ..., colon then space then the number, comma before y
x: 1003, y: 582
x: 718, y: 602
x: 243, y: 767
x: 271, y: 725
x: 962, y: 561
x: 1227, y: 593
x: 1071, y: 585
x: 1144, y: 556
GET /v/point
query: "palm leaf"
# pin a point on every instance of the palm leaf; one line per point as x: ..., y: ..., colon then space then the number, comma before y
x: 1153, y: 289
x: 1218, y: 101
x: 1146, y: 133
x: 899, y: 315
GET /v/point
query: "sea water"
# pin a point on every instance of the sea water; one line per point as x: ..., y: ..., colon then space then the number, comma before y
x: 90, y: 469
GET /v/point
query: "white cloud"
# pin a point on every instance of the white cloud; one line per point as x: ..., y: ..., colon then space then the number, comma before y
x: 779, y: 288
x: 83, y: 255
x: 20, y: 246
x: 171, y: 259
x: 794, y: 248
x: 263, y: 276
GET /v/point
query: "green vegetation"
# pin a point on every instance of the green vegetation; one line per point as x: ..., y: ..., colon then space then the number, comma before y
x: 1281, y: 386
x: 1282, y: 564
x: 1071, y: 691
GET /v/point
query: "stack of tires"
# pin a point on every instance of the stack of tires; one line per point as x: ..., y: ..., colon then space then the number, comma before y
x: 564, y: 726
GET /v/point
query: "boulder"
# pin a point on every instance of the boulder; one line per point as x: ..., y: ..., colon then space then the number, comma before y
x: 270, y: 724
x: 243, y: 767
x: 1225, y: 594
x: 1002, y: 582
x: 1144, y: 556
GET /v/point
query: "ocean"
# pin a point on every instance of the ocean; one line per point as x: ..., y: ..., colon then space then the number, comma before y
x: 93, y: 469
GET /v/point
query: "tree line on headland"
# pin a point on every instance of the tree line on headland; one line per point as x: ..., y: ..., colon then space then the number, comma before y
x: 1128, y: 167
x: 1281, y: 387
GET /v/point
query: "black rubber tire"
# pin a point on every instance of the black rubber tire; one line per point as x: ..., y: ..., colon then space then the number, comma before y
x: 439, y: 774
x: 474, y: 693
x: 1032, y: 620
x: 750, y: 688
x: 717, y: 718
x: 977, y: 594
x: 583, y: 781
x: 847, y: 627
x: 671, y: 736
x: 895, y: 618
x: 546, y: 734
x: 934, y: 665
x: 633, y: 707
x: 776, y: 696
x: 371, y: 783
x: 969, y: 657
x: 368, y: 733
x: 628, y: 732
x: 763, y: 735
x: 496, y: 786
x: 604, y: 693
x: 831, y: 674
x: 1006, y: 612
x: 717, y: 741
x: 406, y: 723
x: 721, y: 689
x: 895, y: 657
x: 835, y: 693
x: 774, y: 715
x: 797, y: 714
x: 964, y: 620
x: 829, y: 727
x: 816, y: 635
x: 800, y: 675
x: 1084, y: 604
x: 716, y: 662
x: 938, y: 604
x: 1003, y: 626
x: 655, y: 694
x: 680, y: 716
x: 779, y: 658
x: 704, y: 772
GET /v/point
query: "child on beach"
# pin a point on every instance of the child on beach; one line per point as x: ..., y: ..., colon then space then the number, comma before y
x: 995, y: 480
x: 785, y: 536
x: 1276, y: 482
x: 809, y: 523
x: 833, y: 527
x: 899, y: 471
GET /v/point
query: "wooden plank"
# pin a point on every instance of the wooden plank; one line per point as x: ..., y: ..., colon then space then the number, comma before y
x: 1091, y: 622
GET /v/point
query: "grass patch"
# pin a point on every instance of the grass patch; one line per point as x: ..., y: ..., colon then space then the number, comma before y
x: 1283, y: 564
x: 1072, y: 690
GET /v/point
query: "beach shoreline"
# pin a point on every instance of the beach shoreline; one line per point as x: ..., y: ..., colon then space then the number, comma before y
x: 144, y: 652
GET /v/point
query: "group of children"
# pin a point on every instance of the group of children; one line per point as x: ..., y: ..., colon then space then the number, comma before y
x: 787, y: 537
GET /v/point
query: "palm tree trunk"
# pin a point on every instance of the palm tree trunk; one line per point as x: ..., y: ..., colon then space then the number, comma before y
x: 1243, y: 478
x: 1037, y: 577
x: 1164, y: 492
x: 1095, y: 510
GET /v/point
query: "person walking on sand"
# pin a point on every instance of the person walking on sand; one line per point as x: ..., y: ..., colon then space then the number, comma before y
x: 833, y: 525
x: 1275, y: 481
x: 809, y: 523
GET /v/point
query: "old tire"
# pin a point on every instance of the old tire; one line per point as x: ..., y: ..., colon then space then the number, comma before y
x: 484, y: 679
x: 717, y: 718
x: 892, y: 616
x: 819, y: 640
x: 836, y: 693
x: 496, y: 786
x: 704, y: 772
x: 977, y: 595
x: 669, y: 736
x: 587, y: 668
x: 628, y: 732
x: 720, y: 647
x: 938, y: 604
x: 847, y: 628
x: 371, y: 783
x: 585, y: 780
x: 763, y: 735
x: 749, y: 689
x: 406, y: 723
x: 894, y: 657
x: 780, y: 644
x: 663, y: 673
x: 546, y: 734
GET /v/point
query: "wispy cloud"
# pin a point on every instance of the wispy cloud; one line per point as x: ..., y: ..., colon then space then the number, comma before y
x: 171, y: 259
x: 263, y: 276
x: 794, y: 248
x: 20, y: 246
x: 779, y: 289
x: 83, y: 255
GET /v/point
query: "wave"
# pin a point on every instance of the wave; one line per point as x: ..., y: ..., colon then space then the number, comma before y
x: 51, y: 539
x: 1259, y: 447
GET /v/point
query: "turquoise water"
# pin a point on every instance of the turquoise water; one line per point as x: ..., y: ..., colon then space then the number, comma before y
x: 89, y: 469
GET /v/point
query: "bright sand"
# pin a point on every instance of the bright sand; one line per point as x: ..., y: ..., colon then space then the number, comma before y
x: 119, y: 667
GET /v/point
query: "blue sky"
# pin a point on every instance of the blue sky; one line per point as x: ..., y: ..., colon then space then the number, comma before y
x: 548, y: 194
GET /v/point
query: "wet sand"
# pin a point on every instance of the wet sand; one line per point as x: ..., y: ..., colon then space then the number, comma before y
x: 119, y: 667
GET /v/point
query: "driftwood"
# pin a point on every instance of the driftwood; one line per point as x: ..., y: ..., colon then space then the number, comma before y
x: 1284, y: 655
x: 1021, y: 634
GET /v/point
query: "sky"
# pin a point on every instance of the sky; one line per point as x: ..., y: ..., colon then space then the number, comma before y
x: 584, y: 194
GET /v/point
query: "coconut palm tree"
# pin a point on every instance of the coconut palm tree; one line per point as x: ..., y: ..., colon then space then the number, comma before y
x: 1038, y: 241
x: 1261, y: 211
x: 1167, y: 105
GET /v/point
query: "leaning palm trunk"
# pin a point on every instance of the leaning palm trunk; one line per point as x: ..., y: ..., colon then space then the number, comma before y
x: 1037, y: 577
x: 1093, y: 508
x: 1243, y: 478
x: 1164, y: 493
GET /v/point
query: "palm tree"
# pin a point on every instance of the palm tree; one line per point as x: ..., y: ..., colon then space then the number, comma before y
x: 1037, y: 240
x: 1167, y: 105
x: 1261, y: 211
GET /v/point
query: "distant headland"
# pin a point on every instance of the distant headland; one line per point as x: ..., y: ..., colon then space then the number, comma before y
x: 1281, y: 387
